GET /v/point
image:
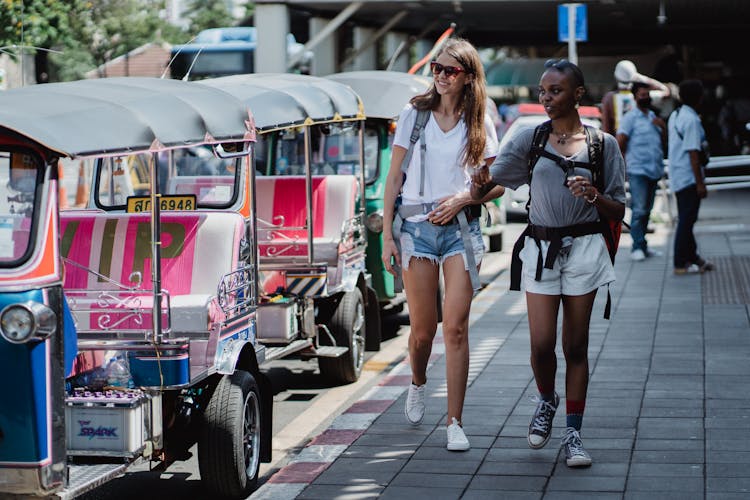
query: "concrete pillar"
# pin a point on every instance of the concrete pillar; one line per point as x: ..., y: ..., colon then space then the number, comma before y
x: 272, y: 22
x: 421, y: 49
x: 325, y: 52
x: 367, y: 60
x: 392, y: 43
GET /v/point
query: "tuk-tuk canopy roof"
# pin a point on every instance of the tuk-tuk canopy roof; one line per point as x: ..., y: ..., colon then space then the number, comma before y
x: 286, y: 99
x: 119, y: 115
x: 384, y: 93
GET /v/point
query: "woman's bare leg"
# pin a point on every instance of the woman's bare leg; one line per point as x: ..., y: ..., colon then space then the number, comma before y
x: 421, y: 284
x: 458, y: 295
x: 575, y: 339
x: 542, y: 310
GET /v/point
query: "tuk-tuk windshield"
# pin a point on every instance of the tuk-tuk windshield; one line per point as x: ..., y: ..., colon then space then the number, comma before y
x: 191, y: 173
x: 334, y: 150
x: 19, y: 175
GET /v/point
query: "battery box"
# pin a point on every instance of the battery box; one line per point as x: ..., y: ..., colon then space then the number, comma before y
x: 107, y: 423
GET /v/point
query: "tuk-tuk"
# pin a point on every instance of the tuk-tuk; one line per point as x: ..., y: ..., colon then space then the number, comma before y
x: 384, y: 95
x: 316, y: 298
x: 127, y: 329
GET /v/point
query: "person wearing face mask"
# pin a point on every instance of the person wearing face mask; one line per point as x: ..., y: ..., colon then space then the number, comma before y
x: 640, y: 136
x: 616, y: 103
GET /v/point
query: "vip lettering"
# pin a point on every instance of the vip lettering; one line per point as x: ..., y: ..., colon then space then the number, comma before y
x: 91, y: 432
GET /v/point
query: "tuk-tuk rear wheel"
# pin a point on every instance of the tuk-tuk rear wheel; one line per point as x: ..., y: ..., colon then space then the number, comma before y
x: 229, y: 445
x: 348, y: 328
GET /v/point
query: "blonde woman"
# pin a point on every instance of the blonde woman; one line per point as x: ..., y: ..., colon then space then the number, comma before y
x: 438, y: 222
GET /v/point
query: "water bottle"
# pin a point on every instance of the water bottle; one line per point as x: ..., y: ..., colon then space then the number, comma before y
x: 118, y: 372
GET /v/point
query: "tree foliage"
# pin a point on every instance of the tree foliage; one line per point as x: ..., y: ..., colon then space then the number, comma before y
x: 35, y: 23
x: 89, y: 33
x: 106, y: 29
x: 205, y: 14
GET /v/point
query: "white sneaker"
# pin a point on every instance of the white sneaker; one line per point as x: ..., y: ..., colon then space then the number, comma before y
x: 456, y: 438
x: 414, y: 410
x: 575, y: 454
x: 654, y: 253
x: 637, y: 255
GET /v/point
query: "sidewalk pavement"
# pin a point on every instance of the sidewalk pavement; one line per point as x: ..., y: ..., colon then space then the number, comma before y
x: 667, y: 414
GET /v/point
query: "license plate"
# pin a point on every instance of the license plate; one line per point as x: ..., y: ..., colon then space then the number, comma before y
x: 167, y: 202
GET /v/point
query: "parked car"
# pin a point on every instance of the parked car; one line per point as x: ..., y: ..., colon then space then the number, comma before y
x: 514, y: 200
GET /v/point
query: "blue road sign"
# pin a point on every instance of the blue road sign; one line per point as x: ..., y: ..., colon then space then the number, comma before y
x: 582, y: 32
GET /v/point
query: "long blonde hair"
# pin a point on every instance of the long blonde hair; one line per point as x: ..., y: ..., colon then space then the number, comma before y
x: 473, y: 99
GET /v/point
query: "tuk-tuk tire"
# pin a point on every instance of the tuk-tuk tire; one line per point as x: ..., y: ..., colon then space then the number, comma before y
x: 372, y: 316
x: 221, y: 447
x: 347, y: 368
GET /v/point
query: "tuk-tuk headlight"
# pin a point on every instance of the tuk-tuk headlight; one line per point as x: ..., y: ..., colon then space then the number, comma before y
x: 20, y: 322
x: 374, y: 222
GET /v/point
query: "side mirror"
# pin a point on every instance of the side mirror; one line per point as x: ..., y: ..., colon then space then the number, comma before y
x: 23, y: 172
x: 231, y: 149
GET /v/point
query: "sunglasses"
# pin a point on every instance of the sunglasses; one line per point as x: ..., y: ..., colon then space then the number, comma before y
x: 449, y: 71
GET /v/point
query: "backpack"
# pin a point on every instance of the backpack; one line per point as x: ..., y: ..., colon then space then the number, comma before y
x: 611, y: 229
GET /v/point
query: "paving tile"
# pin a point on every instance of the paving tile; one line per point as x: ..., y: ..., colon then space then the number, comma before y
x: 669, y: 444
x: 668, y: 456
x: 420, y: 493
x: 668, y: 483
x: 516, y: 468
x: 513, y: 483
x: 439, y: 467
x: 336, y: 492
x: 670, y: 470
x: 433, y: 480
x: 663, y: 495
x: 733, y: 485
x: 474, y: 494
x: 348, y: 471
x: 586, y: 483
x: 356, y: 451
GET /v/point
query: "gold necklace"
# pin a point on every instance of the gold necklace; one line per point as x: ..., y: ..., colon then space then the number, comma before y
x: 563, y: 137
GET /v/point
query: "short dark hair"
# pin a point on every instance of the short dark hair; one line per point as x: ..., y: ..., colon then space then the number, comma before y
x: 691, y: 92
x: 636, y: 86
x: 567, y: 67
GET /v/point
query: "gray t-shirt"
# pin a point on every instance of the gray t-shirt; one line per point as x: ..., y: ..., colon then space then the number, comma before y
x: 552, y: 204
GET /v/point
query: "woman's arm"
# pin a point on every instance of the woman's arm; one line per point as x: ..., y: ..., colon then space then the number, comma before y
x: 392, y: 188
x: 451, y: 205
x: 580, y: 187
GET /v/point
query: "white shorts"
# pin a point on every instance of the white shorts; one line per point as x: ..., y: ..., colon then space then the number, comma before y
x: 580, y: 268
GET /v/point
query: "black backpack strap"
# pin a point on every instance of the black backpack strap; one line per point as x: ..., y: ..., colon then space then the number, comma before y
x: 595, y: 145
x: 538, y: 142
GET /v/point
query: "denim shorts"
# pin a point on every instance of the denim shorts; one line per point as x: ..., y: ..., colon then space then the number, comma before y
x: 425, y: 240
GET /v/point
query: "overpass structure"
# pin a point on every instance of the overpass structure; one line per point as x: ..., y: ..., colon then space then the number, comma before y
x: 347, y: 34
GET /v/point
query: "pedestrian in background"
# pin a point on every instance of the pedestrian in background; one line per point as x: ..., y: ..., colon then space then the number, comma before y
x: 616, y: 103
x: 640, y: 136
x: 458, y: 136
x: 686, y: 142
x: 564, y: 217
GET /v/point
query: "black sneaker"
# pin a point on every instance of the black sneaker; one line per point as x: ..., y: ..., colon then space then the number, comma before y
x: 575, y: 454
x: 540, y: 427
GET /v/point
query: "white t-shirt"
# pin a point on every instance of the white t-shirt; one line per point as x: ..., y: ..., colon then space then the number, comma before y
x: 445, y: 176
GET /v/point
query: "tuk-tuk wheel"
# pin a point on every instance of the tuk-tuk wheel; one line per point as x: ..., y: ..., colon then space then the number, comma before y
x: 229, y: 445
x: 348, y: 328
